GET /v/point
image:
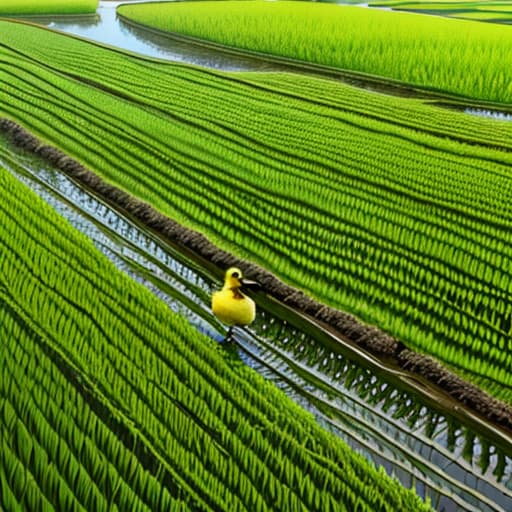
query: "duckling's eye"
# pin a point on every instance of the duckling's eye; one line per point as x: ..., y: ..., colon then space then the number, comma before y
x: 235, y: 275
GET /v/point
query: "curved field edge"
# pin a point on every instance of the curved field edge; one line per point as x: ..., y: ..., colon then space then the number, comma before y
x: 422, y: 51
x: 239, y: 139
x: 368, y: 337
x: 100, y: 378
x: 360, y: 79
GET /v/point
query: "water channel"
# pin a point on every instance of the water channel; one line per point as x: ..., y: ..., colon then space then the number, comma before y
x: 457, y: 466
x: 104, y: 27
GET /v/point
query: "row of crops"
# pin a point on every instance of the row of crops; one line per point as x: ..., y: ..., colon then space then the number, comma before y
x: 392, y: 427
x: 500, y: 12
x: 389, y: 425
x: 108, y: 400
x: 424, y: 51
x: 415, y: 239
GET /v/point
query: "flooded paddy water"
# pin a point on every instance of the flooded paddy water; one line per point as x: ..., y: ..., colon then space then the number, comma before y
x: 106, y: 28
x: 426, y: 443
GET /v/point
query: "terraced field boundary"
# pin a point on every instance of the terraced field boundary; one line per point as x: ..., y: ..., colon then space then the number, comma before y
x: 109, y: 400
x: 368, y: 337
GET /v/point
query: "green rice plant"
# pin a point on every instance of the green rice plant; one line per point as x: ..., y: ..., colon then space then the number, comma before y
x: 459, y: 57
x: 481, y: 11
x: 484, y: 16
x: 62, y: 428
x: 108, y: 399
x: 369, y: 203
x: 47, y: 7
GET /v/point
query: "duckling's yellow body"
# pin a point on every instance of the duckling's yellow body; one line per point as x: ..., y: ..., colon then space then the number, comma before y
x: 230, y: 305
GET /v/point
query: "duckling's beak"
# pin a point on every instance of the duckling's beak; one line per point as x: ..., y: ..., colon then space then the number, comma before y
x: 247, y: 283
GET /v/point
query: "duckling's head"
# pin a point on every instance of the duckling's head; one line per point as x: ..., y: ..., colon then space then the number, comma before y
x: 233, y: 278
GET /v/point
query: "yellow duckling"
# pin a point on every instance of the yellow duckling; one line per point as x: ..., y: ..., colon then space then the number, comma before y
x: 230, y: 305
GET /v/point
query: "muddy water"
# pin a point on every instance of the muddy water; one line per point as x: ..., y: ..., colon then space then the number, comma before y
x: 456, y: 466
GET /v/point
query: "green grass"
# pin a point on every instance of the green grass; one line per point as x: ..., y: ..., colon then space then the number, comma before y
x: 480, y: 11
x: 440, y: 5
x: 108, y: 399
x: 460, y: 57
x: 484, y: 16
x: 396, y: 211
x: 43, y: 7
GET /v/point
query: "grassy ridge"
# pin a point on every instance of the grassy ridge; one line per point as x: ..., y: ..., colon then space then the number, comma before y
x: 420, y: 50
x: 445, y: 5
x: 481, y: 11
x: 108, y: 398
x: 393, y: 210
x: 39, y: 7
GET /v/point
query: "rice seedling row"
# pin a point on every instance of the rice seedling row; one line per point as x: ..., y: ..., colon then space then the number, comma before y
x: 401, y: 111
x: 47, y: 7
x: 44, y: 401
x: 204, y: 435
x: 309, y: 356
x: 352, y: 96
x: 171, y: 156
x: 428, y: 187
x: 423, y: 118
x: 396, y: 45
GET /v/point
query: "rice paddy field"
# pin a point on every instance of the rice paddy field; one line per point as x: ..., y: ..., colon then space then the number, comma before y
x: 424, y: 51
x: 70, y: 377
x: 498, y: 12
x: 393, y: 210
x: 47, y: 7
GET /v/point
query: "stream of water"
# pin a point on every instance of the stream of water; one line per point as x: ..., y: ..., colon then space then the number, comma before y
x: 105, y: 27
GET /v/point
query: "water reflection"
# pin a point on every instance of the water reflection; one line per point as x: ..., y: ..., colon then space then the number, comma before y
x: 456, y: 467
x: 389, y: 425
x: 492, y: 114
x: 106, y: 28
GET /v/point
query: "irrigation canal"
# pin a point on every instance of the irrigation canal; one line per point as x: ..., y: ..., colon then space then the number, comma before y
x: 425, y: 444
x: 458, y: 466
